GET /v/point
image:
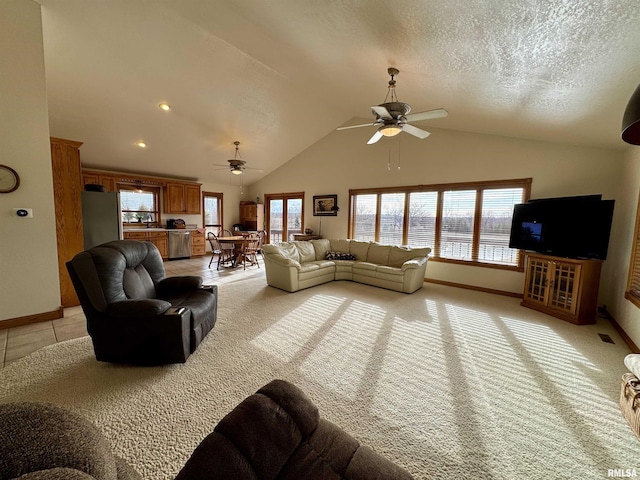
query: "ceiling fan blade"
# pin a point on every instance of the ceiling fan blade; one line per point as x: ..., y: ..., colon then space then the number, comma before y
x: 356, y: 126
x: 437, y: 113
x: 415, y: 131
x: 381, y: 112
x: 376, y: 136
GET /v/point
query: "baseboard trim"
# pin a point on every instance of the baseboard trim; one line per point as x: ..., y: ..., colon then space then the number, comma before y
x: 473, y: 287
x: 29, y: 319
x: 632, y: 346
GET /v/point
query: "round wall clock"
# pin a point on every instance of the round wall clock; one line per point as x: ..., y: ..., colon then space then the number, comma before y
x: 9, y: 179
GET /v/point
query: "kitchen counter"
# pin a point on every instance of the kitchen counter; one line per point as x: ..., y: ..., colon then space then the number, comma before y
x: 144, y: 229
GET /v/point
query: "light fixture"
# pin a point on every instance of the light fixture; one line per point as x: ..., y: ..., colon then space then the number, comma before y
x: 236, y: 170
x: 631, y: 119
x: 390, y: 130
x: 164, y: 106
x: 141, y: 144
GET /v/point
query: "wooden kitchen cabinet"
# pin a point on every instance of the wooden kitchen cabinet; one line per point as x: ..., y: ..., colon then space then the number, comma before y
x: 252, y: 216
x: 182, y: 198
x: 562, y: 287
x: 107, y: 181
x: 197, y: 243
x: 67, y: 188
x: 159, y: 238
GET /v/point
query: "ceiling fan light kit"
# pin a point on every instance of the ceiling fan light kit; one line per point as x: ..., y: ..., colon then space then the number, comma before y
x: 236, y: 166
x: 392, y: 117
x: 631, y: 119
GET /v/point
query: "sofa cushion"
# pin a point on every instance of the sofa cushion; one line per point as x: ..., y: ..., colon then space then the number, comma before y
x: 399, y: 255
x: 289, y: 250
x: 306, y: 251
x: 359, y: 249
x: 321, y: 246
x: 339, y: 245
x: 378, y: 254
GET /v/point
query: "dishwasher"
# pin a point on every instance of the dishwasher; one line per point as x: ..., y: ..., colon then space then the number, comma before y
x: 179, y: 244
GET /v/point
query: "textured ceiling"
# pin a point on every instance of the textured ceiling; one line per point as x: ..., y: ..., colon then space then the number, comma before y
x: 280, y: 75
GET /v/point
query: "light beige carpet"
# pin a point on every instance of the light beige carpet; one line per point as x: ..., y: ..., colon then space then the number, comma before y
x: 446, y: 382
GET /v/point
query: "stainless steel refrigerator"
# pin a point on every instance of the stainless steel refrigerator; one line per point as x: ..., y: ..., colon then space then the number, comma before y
x: 101, y: 218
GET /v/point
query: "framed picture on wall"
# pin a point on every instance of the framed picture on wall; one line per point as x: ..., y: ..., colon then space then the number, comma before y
x: 325, y: 205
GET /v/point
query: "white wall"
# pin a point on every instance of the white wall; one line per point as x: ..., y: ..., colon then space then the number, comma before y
x: 615, y: 282
x: 28, y: 253
x: 342, y: 160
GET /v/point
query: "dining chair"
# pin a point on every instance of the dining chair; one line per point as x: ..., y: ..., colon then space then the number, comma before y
x: 225, y: 251
x: 261, y: 236
x: 249, y: 251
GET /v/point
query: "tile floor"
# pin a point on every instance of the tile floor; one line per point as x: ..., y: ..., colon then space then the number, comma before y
x: 18, y: 342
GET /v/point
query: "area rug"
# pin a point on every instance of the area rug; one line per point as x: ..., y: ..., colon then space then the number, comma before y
x: 446, y: 382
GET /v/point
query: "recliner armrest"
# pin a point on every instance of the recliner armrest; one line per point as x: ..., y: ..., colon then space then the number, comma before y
x: 414, y: 263
x: 175, y: 284
x: 131, y: 309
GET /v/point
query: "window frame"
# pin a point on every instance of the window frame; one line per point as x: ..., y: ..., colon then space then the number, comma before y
x: 632, y: 294
x: 208, y: 227
x: 267, y: 213
x: 141, y: 187
x: 441, y: 188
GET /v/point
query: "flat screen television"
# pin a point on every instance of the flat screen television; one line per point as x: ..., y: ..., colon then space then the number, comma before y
x: 572, y: 227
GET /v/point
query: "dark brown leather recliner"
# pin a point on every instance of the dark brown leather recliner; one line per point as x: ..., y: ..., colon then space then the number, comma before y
x: 278, y: 434
x: 134, y: 314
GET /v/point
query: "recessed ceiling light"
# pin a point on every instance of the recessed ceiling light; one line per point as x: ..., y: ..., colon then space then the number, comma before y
x: 141, y: 144
x: 164, y: 106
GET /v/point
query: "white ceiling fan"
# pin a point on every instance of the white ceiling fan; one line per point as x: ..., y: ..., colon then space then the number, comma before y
x: 393, y: 117
x: 236, y: 165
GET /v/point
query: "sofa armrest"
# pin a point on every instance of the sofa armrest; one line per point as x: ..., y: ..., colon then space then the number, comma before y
x: 414, y: 263
x: 176, y: 284
x: 132, y: 309
x: 283, y: 261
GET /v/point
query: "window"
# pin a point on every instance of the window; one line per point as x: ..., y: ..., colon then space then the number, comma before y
x: 212, y: 212
x: 139, y: 204
x: 284, y: 216
x: 466, y: 223
x: 633, y: 283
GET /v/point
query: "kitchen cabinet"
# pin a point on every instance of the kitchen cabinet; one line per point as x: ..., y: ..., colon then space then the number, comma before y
x: 107, y: 181
x: 252, y: 216
x: 562, y: 287
x: 182, y: 198
x: 197, y: 243
x: 159, y: 238
x: 67, y: 188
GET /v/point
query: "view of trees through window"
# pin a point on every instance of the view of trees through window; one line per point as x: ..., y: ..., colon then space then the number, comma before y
x: 444, y: 219
x: 138, y: 206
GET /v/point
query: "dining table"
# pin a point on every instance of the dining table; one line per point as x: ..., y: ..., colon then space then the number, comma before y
x: 238, y: 241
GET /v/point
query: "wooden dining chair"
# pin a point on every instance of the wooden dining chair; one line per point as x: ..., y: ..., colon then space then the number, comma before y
x: 249, y: 253
x: 225, y: 251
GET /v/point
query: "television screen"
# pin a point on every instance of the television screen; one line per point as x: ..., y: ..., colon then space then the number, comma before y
x: 574, y: 227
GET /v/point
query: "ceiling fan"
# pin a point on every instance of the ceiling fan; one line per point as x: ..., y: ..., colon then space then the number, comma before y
x: 393, y: 117
x: 236, y: 165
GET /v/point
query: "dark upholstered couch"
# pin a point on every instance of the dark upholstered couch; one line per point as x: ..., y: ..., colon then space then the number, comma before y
x: 128, y: 303
x: 275, y: 434
x: 45, y: 442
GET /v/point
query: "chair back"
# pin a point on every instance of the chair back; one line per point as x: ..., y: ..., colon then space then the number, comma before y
x: 213, y: 241
x: 250, y: 244
x: 115, y: 271
x: 226, y: 233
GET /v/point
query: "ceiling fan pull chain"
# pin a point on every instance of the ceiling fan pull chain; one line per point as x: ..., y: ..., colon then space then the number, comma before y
x: 389, y: 160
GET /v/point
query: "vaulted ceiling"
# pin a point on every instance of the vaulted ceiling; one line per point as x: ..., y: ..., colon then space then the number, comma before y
x: 280, y: 75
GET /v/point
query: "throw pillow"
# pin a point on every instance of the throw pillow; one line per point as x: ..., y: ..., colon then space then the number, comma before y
x: 339, y: 256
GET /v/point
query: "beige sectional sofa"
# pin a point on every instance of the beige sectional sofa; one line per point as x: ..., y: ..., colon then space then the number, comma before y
x: 292, y: 266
